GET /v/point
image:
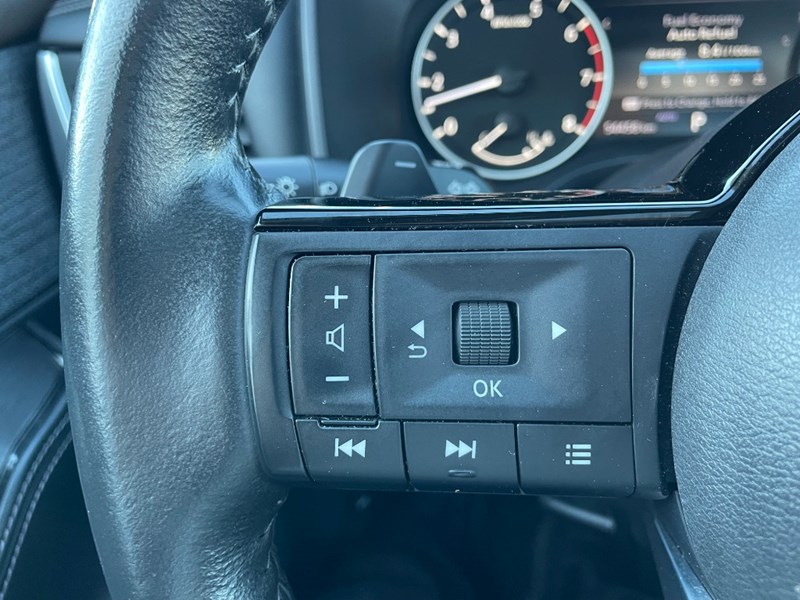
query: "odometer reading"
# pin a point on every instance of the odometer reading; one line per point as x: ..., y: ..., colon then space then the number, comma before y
x: 512, y: 88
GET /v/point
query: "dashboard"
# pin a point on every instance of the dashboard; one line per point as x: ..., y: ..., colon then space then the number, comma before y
x: 545, y: 93
x: 529, y: 94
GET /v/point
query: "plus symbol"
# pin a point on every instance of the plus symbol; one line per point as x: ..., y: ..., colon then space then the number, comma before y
x: 336, y: 296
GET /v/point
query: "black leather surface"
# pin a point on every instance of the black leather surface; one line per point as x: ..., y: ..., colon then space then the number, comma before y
x: 736, y: 399
x: 43, y: 454
x: 56, y: 526
x: 33, y: 435
x: 29, y: 378
x: 158, y: 211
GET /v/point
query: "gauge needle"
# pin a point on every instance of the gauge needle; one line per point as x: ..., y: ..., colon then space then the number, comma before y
x: 463, y: 91
x: 490, y: 138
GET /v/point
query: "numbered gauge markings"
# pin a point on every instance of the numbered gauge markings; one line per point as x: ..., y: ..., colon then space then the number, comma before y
x: 512, y: 88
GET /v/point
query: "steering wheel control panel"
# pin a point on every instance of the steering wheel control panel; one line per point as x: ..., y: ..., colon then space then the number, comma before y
x: 474, y: 371
x: 527, y: 360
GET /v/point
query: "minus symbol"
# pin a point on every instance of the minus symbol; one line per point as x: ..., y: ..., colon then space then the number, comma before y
x: 405, y: 164
x: 337, y: 378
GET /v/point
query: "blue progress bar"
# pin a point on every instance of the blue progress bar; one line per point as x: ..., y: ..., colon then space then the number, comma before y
x: 711, y: 65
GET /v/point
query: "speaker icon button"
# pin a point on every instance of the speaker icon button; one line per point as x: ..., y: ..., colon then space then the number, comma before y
x: 335, y: 338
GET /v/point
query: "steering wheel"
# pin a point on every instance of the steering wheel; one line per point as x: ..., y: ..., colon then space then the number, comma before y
x: 159, y: 216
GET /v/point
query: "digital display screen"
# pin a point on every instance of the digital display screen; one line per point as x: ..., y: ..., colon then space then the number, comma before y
x: 680, y: 69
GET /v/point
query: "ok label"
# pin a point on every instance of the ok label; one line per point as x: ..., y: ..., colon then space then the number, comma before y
x: 482, y: 388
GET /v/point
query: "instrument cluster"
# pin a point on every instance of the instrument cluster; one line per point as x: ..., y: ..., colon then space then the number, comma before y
x: 532, y: 90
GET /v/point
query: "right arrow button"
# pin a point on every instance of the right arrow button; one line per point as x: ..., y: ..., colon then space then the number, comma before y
x: 557, y: 330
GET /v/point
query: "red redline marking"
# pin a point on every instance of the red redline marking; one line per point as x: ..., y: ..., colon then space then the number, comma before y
x: 599, y: 65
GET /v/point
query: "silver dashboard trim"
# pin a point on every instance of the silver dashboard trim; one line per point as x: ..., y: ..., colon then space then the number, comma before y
x: 312, y: 83
x: 49, y: 70
x: 56, y: 104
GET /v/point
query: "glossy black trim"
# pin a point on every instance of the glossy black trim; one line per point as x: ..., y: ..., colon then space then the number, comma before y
x: 678, y: 569
x: 706, y: 191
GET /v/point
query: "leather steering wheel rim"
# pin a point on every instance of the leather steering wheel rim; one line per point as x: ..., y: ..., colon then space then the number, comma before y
x: 736, y: 394
x: 159, y: 204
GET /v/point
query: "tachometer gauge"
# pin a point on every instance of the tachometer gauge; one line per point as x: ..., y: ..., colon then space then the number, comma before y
x: 512, y: 88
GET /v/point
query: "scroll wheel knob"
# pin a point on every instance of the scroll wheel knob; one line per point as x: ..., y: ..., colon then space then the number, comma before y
x: 484, y: 333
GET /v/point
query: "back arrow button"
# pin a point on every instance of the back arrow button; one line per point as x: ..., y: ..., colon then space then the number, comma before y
x: 417, y: 351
